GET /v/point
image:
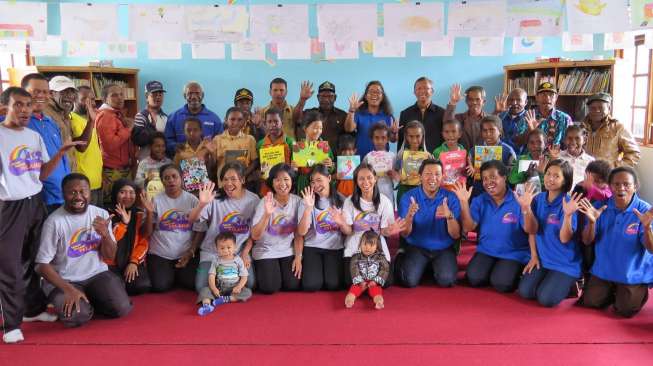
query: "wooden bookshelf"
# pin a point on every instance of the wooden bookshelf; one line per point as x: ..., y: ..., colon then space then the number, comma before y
x: 95, y: 77
x: 599, y: 77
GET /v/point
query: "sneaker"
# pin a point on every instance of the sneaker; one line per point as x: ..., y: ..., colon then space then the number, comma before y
x: 13, y: 336
x: 218, y: 301
x: 205, y: 309
x: 43, y: 317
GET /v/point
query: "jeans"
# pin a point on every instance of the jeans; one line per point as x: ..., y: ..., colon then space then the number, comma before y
x: 411, y: 267
x: 502, y: 274
x: 549, y: 287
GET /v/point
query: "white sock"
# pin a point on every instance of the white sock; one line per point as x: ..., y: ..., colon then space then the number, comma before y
x: 13, y: 336
x: 42, y: 317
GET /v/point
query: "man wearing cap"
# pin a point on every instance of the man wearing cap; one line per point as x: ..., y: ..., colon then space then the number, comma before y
x: 150, y: 120
x: 551, y: 121
x: 608, y: 139
x: 211, y: 123
x: 333, y: 118
x: 244, y: 99
x: 63, y: 94
x: 425, y: 111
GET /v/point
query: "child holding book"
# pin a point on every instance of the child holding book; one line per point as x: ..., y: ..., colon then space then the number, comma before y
x: 574, y: 154
x: 234, y: 145
x: 491, y: 135
x: 369, y: 271
x: 451, y: 133
x: 312, y: 150
x: 267, y: 147
x: 382, y: 160
x: 148, y: 168
x: 410, y: 157
x: 227, y: 277
x: 193, y: 157
x: 346, y: 147
x: 535, y: 152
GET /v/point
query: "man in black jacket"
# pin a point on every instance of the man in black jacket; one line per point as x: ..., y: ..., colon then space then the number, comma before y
x: 149, y: 120
x: 425, y: 111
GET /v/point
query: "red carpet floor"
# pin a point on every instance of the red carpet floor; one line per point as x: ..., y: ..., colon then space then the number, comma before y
x: 426, y: 325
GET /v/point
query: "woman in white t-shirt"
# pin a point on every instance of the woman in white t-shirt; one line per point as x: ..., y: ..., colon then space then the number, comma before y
x: 366, y: 209
x: 230, y: 211
x: 277, y: 253
x: 171, y: 257
x: 323, y: 239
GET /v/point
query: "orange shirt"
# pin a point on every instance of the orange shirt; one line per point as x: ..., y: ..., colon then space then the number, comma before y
x: 141, y: 244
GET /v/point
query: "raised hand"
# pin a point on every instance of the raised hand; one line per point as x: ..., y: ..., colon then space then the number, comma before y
x: 146, y: 202
x: 354, y: 103
x: 394, y: 127
x: 257, y: 117
x: 306, y: 91
x: 206, y: 193
x: 308, y: 198
x: 569, y: 208
x: 443, y: 210
x: 413, y: 208
x: 554, y: 152
x: 645, y: 218
x: 125, y: 216
x: 542, y: 163
x: 101, y: 226
x: 531, y: 120
x: 501, y: 102
x: 337, y: 216
x: 91, y: 110
x: 462, y: 192
x: 269, y: 204
x: 527, y: 197
x: 454, y: 95
x: 327, y: 162
x: 396, y: 227
x: 591, y: 212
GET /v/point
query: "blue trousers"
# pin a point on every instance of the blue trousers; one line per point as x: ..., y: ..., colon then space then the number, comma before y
x: 502, y: 274
x: 411, y: 267
x: 549, y: 287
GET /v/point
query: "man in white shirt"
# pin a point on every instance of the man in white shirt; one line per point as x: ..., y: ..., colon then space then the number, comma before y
x: 74, y: 241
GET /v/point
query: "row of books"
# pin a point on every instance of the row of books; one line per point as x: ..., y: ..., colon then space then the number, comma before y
x: 100, y: 81
x: 580, y: 81
x: 530, y: 83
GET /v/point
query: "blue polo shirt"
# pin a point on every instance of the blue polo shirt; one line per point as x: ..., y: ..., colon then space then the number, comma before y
x: 211, y: 126
x: 429, y: 231
x: 51, y: 135
x: 513, y: 126
x: 500, y: 228
x: 364, y: 121
x: 554, y: 126
x: 554, y: 254
x: 619, y: 245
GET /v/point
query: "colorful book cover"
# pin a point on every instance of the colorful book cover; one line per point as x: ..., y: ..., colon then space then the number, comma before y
x: 306, y: 154
x: 453, y: 167
x: 154, y: 185
x: 381, y: 161
x: 269, y: 157
x: 240, y: 156
x: 193, y: 173
x: 483, y: 154
x: 410, y: 166
x: 346, y: 166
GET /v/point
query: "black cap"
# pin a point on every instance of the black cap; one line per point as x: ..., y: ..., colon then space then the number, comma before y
x: 243, y: 93
x: 547, y: 87
x: 602, y: 96
x: 154, y: 86
x: 326, y: 86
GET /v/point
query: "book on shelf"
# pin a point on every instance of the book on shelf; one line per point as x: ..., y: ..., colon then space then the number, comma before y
x: 100, y: 81
x: 583, y: 81
x: 529, y: 82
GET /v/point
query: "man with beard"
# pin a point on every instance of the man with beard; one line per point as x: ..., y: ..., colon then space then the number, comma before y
x: 425, y: 111
x: 607, y: 138
x: 75, y: 240
x: 150, y: 120
x: 333, y: 118
x: 24, y: 164
x: 513, y: 120
x: 194, y: 108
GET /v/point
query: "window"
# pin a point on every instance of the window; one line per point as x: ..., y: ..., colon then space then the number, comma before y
x: 632, y: 90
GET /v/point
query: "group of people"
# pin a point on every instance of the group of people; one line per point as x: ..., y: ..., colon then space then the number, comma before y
x: 82, y: 230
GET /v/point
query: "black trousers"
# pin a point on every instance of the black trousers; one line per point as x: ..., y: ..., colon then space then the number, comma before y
x: 106, y: 295
x: 140, y: 285
x: 322, y: 269
x: 346, y: 263
x: 164, y: 275
x: 20, y: 234
x: 273, y: 275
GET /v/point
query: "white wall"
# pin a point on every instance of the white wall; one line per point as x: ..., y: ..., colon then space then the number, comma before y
x: 645, y: 171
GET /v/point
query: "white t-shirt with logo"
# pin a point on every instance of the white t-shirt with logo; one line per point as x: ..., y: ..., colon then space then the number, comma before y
x: 71, y: 245
x: 323, y: 233
x: 367, y: 219
x: 230, y: 215
x: 22, y: 153
x: 172, y: 230
x: 277, y: 238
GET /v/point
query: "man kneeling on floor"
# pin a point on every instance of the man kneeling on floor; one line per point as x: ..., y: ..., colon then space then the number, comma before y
x: 74, y: 240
